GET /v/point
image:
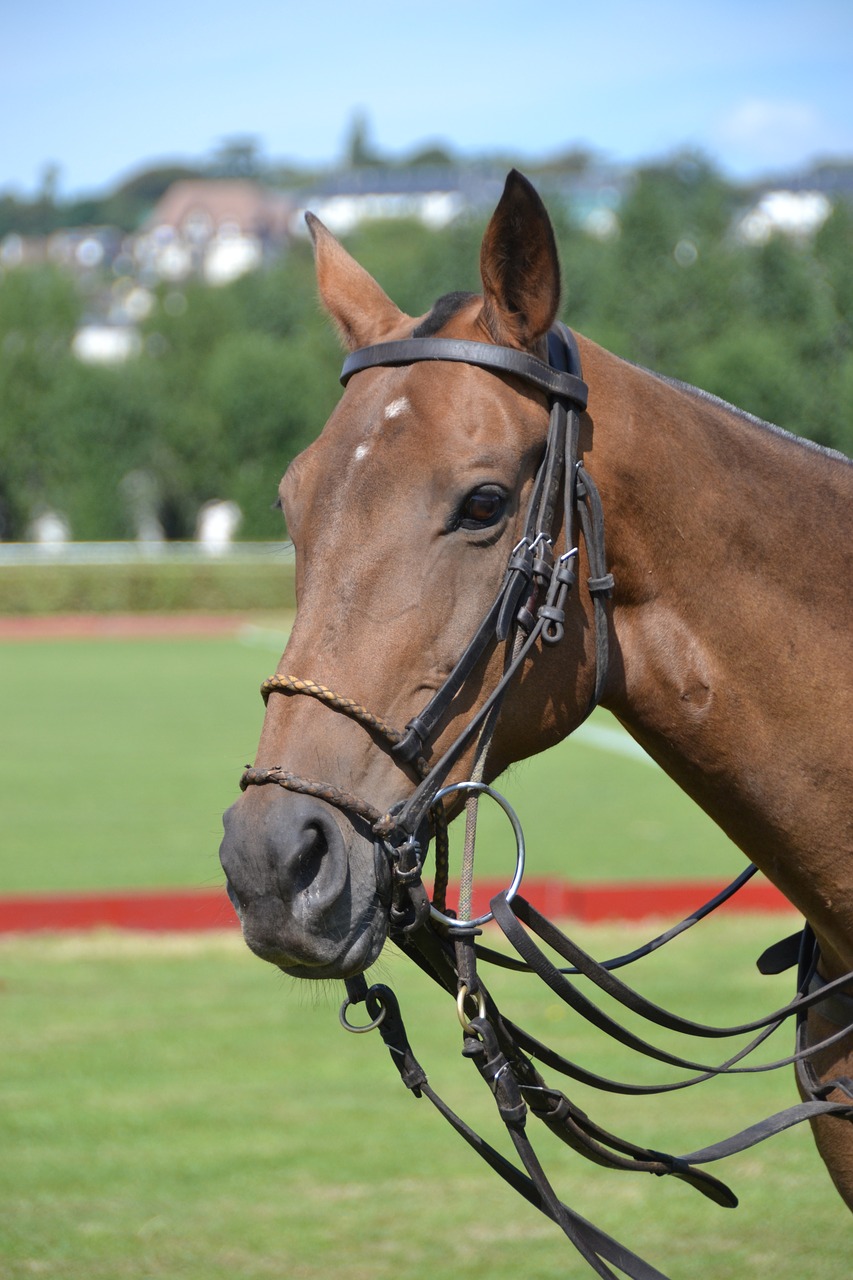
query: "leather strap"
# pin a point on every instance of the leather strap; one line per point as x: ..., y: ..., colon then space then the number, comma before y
x: 519, y: 364
x: 531, y: 567
x: 594, y: 1245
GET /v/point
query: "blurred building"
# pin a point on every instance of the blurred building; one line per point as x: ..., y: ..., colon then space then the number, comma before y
x: 431, y: 194
x: 217, y: 229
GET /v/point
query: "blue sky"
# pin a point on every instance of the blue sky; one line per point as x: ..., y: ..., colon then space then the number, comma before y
x: 101, y: 89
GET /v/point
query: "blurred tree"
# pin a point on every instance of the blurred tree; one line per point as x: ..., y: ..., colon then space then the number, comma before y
x: 238, y: 157
x: 130, y: 203
x: 232, y: 382
x: 833, y: 250
x: 39, y: 311
x: 124, y: 207
x: 430, y: 155
x: 415, y: 264
x: 671, y: 262
x: 359, y: 152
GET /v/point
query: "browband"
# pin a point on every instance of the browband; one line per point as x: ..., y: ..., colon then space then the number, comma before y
x: 499, y: 359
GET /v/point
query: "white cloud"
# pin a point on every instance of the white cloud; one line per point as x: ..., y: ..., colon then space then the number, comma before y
x: 764, y: 132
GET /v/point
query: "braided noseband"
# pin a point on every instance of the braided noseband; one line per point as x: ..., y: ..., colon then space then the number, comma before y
x: 324, y: 791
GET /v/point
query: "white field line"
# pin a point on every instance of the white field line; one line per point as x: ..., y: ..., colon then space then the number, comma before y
x: 616, y: 741
x: 262, y: 637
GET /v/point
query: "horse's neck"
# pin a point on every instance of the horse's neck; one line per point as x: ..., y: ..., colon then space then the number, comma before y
x: 732, y: 614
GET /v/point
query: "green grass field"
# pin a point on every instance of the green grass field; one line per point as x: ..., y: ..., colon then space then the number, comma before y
x: 118, y: 758
x: 172, y: 1109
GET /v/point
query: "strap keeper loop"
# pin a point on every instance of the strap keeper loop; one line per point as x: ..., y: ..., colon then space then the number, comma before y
x: 542, y: 569
x: 521, y: 560
x: 412, y: 744
x: 601, y: 586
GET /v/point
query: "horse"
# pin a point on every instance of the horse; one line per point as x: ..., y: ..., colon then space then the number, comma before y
x: 717, y: 632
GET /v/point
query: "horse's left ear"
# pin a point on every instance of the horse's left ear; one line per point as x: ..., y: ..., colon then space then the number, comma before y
x: 362, y: 311
x: 519, y: 267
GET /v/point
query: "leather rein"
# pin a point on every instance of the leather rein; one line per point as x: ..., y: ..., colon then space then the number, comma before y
x: 529, y: 609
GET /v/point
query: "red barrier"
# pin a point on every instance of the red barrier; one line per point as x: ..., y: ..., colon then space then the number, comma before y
x: 167, y: 910
x: 161, y: 910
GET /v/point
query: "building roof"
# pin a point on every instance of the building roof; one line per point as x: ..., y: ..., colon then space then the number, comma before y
x: 206, y: 205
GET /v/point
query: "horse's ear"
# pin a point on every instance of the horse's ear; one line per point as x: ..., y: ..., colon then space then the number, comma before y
x: 519, y: 267
x: 362, y: 312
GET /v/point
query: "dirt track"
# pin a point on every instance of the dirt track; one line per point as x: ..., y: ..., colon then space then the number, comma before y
x: 119, y: 626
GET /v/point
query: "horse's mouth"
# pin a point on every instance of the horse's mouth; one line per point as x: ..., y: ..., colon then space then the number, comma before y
x: 325, y: 944
x: 351, y: 957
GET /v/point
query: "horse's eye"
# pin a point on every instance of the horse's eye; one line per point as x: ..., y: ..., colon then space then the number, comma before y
x: 482, y: 507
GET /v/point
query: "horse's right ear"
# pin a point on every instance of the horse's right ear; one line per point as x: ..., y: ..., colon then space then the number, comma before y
x: 519, y: 267
x: 362, y: 312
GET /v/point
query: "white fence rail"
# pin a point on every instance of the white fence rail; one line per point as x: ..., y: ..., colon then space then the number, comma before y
x: 62, y: 553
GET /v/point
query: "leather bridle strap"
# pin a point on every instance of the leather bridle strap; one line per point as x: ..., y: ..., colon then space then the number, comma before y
x: 566, y: 388
x: 519, y: 364
x: 531, y: 565
x: 531, y: 573
x: 594, y: 1245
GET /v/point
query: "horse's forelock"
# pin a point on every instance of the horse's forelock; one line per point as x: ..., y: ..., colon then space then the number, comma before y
x: 449, y: 305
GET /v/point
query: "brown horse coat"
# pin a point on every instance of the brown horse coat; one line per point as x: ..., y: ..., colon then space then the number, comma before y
x: 730, y: 543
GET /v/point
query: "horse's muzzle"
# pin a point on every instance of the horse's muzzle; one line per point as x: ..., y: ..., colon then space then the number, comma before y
x: 309, y: 892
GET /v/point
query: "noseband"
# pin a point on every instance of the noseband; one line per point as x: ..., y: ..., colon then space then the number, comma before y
x: 528, y: 608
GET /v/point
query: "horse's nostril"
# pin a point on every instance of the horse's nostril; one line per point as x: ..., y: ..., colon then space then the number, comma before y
x: 307, y: 864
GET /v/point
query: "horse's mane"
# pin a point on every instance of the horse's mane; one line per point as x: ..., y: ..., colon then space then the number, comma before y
x: 706, y: 396
x: 443, y: 310
x: 450, y: 304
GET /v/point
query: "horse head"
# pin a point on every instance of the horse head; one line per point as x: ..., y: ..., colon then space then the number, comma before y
x: 404, y: 514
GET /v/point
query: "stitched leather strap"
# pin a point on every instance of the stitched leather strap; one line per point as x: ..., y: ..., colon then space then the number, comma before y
x: 498, y: 359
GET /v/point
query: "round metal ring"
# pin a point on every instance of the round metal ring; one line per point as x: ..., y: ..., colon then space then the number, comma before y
x: 358, y: 1031
x: 461, y: 997
x: 481, y: 788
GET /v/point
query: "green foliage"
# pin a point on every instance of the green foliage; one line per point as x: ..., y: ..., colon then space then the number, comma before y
x: 233, y: 382
x: 767, y: 327
x: 39, y: 310
x: 415, y: 265
x: 125, y: 207
x: 215, y: 586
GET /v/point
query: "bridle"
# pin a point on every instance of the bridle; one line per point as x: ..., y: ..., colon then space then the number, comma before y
x: 529, y: 609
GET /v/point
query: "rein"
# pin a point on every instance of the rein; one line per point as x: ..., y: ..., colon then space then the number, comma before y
x: 529, y: 609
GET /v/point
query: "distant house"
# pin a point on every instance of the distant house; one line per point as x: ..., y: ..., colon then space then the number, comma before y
x: 218, y: 229
x: 797, y: 214
x: 96, y: 343
x: 437, y: 194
